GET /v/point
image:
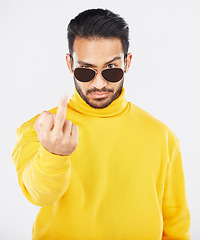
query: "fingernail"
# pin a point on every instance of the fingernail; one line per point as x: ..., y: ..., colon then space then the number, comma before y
x: 64, y: 96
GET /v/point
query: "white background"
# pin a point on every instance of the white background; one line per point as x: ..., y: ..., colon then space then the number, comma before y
x: 163, y: 80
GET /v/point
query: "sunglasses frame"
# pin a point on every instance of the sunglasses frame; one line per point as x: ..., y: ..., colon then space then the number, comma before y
x: 96, y: 72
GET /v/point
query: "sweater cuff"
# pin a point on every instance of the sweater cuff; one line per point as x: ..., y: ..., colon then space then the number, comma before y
x: 52, y: 163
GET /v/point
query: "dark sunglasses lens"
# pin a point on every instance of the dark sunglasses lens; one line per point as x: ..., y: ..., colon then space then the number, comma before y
x: 84, y: 74
x: 113, y: 74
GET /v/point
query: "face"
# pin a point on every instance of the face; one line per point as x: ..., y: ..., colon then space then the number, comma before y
x: 98, y: 54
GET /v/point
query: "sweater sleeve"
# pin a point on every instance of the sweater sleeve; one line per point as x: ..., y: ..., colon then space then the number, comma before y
x: 43, y: 177
x: 176, y: 214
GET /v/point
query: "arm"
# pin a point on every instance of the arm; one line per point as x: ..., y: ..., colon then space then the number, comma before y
x: 42, y: 156
x: 176, y: 215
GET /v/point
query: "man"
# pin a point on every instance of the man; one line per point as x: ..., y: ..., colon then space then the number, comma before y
x: 100, y: 167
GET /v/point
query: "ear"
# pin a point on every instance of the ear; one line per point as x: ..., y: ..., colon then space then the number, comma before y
x: 69, y: 62
x: 128, y: 62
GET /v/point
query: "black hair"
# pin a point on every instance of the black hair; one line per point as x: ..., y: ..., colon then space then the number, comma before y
x: 98, y: 23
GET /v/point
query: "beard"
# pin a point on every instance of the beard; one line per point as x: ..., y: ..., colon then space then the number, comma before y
x: 99, y: 103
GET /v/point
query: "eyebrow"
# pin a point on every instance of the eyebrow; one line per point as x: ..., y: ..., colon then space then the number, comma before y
x: 91, y: 65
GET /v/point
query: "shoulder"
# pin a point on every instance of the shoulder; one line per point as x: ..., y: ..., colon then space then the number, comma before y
x: 153, y: 125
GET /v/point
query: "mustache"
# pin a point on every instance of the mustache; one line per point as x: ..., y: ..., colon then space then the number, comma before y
x: 99, y: 90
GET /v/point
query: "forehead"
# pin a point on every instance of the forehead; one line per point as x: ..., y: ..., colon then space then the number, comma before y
x: 97, y: 50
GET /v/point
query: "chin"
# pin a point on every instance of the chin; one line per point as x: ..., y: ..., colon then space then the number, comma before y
x: 99, y: 104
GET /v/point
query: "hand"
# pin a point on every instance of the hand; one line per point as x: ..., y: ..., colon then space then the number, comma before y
x: 57, y: 134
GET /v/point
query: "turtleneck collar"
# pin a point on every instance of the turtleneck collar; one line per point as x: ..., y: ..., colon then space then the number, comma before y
x: 117, y: 107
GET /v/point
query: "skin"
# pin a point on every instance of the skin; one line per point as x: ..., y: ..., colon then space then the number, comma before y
x: 56, y: 133
x: 98, y: 53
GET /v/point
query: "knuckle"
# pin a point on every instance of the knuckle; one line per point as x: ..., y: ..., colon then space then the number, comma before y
x: 68, y: 121
x: 44, y: 115
x: 49, y: 118
x: 45, y: 136
x: 45, y: 112
x: 60, y: 116
x: 66, y: 142
x: 74, y: 142
x: 55, y: 139
x: 40, y: 119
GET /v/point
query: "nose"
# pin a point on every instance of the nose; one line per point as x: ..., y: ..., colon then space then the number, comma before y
x: 99, y: 82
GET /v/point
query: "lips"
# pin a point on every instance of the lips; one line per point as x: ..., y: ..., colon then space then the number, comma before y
x: 99, y: 94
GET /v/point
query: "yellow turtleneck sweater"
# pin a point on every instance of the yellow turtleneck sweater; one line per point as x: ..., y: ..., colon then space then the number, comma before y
x: 124, y: 181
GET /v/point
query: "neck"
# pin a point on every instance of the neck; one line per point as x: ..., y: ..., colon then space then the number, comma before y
x: 118, y: 106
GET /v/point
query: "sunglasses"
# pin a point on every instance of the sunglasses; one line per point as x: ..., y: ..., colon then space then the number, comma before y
x: 108, y: 74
